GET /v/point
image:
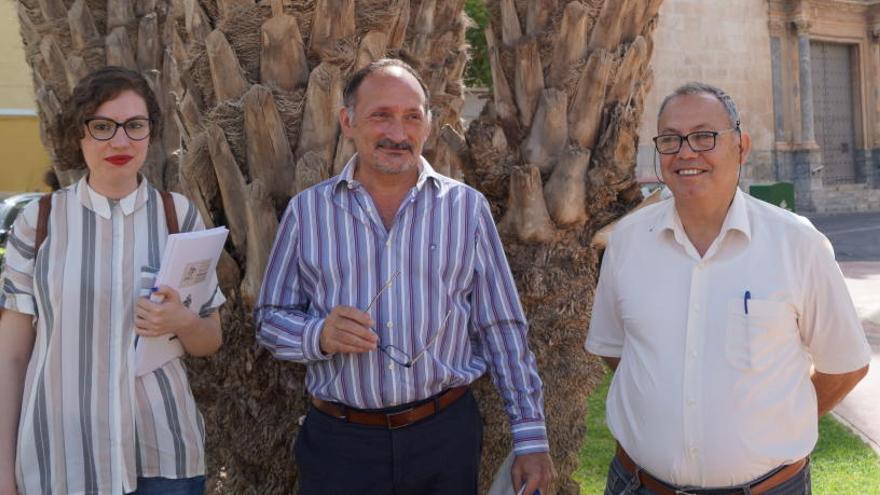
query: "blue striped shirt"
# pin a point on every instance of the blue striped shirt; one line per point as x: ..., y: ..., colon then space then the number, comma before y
x: 332, y: 249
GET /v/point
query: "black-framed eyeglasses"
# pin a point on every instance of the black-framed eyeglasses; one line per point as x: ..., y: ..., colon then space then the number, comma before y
x: 137, y: 128
x: 670, y: 144
x: 394, y: 353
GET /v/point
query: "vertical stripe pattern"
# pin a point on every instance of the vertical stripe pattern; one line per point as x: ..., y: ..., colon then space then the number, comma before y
x: 87, y: 425
x: 332, y: 249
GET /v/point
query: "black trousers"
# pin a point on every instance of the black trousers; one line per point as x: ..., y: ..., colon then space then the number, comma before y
x: 436, y: 456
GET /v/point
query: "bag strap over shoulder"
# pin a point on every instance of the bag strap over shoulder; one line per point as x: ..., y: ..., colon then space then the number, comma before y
x: 46, y: 209
x: 43, y: 220
x: 170, y: 212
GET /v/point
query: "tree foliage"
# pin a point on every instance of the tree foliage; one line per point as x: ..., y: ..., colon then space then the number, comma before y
x: 478, y: 73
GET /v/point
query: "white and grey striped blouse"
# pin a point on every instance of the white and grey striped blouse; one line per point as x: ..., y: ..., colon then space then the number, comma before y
x: 88, y: 425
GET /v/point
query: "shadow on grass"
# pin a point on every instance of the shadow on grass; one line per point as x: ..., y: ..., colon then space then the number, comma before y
x: 842, y: 463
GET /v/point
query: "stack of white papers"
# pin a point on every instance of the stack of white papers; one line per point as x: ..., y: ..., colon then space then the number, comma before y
x: 188, y: 266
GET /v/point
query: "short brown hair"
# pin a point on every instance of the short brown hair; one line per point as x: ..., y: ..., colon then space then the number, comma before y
x: 91, y: 92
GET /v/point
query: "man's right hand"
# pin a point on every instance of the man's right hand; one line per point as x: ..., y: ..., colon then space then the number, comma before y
x: 347, y: 329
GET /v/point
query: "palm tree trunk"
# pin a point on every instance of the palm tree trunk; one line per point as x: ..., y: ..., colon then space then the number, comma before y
x: 554, y: 151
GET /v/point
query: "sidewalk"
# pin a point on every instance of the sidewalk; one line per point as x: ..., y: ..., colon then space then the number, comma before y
x: 860, y: 410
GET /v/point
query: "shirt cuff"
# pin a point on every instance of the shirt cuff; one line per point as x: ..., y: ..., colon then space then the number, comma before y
x: 312, y: 341
x: 530, y: 437
x: 22, y: 303
x: 603, y: 350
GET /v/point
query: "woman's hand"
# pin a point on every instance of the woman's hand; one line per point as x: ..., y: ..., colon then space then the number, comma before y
x: 158, y: 318
x: 199, y: 336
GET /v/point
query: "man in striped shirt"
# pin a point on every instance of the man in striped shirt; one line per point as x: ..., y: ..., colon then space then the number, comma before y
x: 390, y: 283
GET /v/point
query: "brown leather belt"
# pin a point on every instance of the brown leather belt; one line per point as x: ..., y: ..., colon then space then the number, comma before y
x: 663, y: 488
x: 393, y: 420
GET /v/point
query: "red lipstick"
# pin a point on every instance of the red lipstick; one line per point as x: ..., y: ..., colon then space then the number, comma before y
x: 119, y: 160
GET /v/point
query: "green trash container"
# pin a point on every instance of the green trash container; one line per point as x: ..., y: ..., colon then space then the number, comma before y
x: 780, y: 194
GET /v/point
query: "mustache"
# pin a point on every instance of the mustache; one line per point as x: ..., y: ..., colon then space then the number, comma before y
x: 387, y: 143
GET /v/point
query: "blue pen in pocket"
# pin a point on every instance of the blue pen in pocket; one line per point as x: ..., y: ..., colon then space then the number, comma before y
x: 746, y: 297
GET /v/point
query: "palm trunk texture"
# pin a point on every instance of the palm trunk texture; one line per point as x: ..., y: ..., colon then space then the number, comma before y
x: 250, y: 92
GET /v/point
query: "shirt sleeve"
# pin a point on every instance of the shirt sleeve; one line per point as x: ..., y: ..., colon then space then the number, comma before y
x: 190, y: 220
x: 606, y: 333
x: 17, y: 276
x: 502, y: 329
x: 283, y: 323
x: 829, y: 325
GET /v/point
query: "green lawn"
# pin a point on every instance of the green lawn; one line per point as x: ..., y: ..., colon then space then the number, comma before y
x: 842, y: 464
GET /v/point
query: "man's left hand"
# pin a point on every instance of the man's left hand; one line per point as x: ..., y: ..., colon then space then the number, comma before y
x: 534, y: 471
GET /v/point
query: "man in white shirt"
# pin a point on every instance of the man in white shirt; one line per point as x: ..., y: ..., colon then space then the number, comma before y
x: 726, y: 320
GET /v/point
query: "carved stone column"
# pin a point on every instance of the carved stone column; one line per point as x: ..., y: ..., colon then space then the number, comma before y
x: 872, y: 166
x: 808, y: 133
x: 776, y: 30
x: 808, y: 158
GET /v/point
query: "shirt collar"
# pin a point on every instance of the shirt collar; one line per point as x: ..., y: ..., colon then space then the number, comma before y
x: 426, y: 172
x: 737, y: 219
x: 101, y: 204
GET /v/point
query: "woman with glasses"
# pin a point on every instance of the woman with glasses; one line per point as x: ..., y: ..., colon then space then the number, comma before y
x: 75, y: 417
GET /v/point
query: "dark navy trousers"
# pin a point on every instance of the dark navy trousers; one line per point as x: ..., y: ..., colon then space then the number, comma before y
x: 438, y: 455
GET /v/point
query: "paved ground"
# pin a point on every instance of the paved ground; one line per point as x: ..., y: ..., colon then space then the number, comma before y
x: 856, y: 240
x: 855, y: 236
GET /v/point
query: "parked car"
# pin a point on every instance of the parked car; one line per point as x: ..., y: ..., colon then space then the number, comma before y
x: 9, y: 209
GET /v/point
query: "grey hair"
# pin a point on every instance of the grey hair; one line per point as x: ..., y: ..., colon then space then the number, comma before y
x: 695, y: 88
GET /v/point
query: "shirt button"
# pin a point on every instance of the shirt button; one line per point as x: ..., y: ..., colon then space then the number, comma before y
x: 390, y: 324
x: 693, y: 353
x: 391, y: 366
x: 388, y: 242
x: 691, y: 402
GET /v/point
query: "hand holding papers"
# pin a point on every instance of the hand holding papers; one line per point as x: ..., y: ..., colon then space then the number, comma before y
x: 502, y: 484
x: 188, y: 266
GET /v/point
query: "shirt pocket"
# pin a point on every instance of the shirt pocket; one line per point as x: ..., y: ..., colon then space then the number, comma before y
x: 753, y: 340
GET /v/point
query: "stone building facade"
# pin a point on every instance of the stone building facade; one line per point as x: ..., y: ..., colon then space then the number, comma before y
x: 805, y: 75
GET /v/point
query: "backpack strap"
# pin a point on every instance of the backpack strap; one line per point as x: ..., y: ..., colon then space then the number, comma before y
x: 43, y: 220
x: 46, y: 208
x: 170, y: 212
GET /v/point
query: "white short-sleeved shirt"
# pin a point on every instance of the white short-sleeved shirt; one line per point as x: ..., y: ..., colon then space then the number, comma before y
x: 713, y: 387
x: 88, y: 425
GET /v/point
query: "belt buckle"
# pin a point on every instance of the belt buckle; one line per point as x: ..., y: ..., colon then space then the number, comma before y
x: 389, y: 416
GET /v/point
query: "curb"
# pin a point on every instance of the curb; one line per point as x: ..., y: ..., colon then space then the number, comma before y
x: 859, y: 433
